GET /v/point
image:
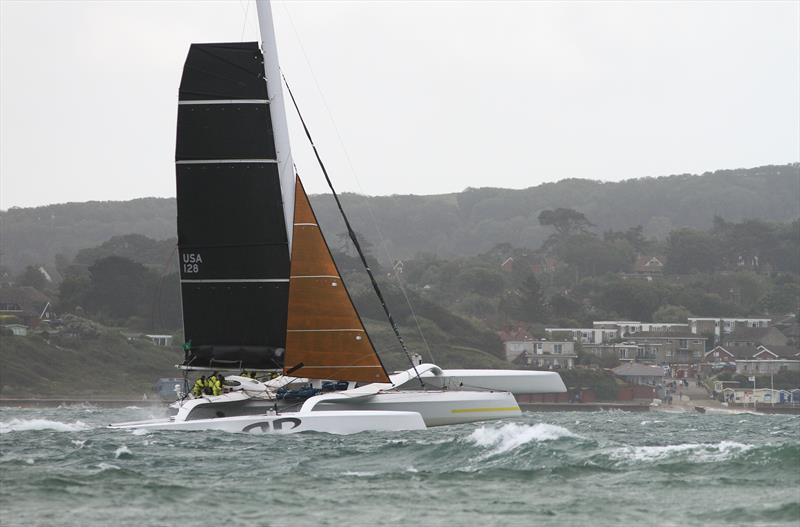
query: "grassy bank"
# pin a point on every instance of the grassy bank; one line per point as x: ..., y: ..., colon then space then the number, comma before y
x: 106, y: 366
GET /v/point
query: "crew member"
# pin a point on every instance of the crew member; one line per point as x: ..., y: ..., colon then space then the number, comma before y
x: 199, y: 384
x: 216, y: 386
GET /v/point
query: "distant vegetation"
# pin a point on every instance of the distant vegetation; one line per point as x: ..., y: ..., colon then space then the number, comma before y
x: 448, y: 225
x: 471, y: 264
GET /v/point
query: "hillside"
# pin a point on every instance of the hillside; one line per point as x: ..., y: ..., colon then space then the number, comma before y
x: 107, y: 366
x: 450, y: 225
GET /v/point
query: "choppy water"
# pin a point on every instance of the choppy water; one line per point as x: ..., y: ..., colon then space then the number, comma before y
x: 60, y: 467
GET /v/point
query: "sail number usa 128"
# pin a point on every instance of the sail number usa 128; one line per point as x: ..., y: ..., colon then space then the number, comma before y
x: 191, y: 263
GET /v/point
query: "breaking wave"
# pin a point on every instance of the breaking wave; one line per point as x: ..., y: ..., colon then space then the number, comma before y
x: 512, y: 435
x: 123, y: 452
x: 25, y: 425
x: 695, y: 452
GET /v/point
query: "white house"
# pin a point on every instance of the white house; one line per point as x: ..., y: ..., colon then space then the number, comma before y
x: 724, y: 325
x: 636, y: 373
x: 583, y: 335
x: 770, y: 360
x: 160, y: 340
x: 18, y: 330
x: 542, y: 353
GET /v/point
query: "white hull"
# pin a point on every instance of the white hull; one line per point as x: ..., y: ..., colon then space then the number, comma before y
x: 514, y: 381
x: 342, y: 422
x: 436, y: 408
x: 459, y: 396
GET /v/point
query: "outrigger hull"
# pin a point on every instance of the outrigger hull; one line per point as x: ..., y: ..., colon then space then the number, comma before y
x: 334, y: 422
x: 437, y: 408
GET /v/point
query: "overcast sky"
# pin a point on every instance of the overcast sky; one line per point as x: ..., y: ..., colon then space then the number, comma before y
x: 426, y: 97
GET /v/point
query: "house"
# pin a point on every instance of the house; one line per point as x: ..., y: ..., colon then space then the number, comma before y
x: 583, y: 335
x: 677, y: 348
x: 746, y: 336
x: 725, y: 357
x: 515, y: 348
x: 769, y: 360
x: 627, y: 327
x: 25, y: 303
x: 629, y: 351
x: 160, y: 340
x: 719, y: 326
x: 636, y: 373
x: 542, y: 354
x: 508, y: 264
x: 649, y: 265
x: 792, y: 334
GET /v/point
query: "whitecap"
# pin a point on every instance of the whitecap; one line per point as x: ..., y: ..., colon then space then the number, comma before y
x: 79, y: 443
x: 122, y: 451
x: 30, y: 461
x: 697, y: 452
x: 133, y: 408
x: 140, y: 431
x: 512, y: 435
x: 412, y: 470
x: 24, y: 425
x: 359, y: 474
x: 107, y: 466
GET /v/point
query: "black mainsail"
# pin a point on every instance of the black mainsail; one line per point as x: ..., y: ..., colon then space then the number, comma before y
x: 232, y: 237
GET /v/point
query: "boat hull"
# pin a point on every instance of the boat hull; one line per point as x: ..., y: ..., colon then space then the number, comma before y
x: 514, y: 381
x: 436, y: 408
x: 334, y: 422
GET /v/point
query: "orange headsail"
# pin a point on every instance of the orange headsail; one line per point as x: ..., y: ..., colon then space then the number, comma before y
x: 324, y: 332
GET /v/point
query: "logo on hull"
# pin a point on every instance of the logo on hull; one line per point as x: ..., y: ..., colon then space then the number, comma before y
x: 276, y: 425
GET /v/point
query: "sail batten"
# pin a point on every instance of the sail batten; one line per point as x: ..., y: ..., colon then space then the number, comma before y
x: 325, y: 336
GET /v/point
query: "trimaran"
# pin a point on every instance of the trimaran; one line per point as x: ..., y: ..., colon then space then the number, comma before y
x: 260, y: 289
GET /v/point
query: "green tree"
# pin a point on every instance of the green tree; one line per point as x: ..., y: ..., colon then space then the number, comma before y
x: 564, y: 307
x: 566, y: 222
x: 630, y: 299
x: 673, y: 314
x: 32, y: 277
x: 593, y: 257
x: 120, y: 288
x: 692, y: 251
x: 486, y: 282
x: 784, y: 296
x: 531, y: 302
x: 634, y: 236
x: 72, y: 291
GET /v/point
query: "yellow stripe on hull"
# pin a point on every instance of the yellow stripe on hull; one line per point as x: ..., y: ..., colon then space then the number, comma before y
x: 502, y: 409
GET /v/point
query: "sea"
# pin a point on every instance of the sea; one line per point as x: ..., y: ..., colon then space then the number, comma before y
x: 61, y: 466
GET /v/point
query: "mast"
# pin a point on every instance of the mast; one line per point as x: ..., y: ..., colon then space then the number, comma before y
x: 280, y: 129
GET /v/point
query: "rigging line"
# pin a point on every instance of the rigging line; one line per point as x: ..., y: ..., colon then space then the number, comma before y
x: 358, y: 182
x: 352, y: 234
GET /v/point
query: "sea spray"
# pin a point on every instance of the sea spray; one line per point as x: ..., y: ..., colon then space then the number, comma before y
x: 123, y: 452
x: 27, y: 425
x: 694, y: 452
x: 510, y: 436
